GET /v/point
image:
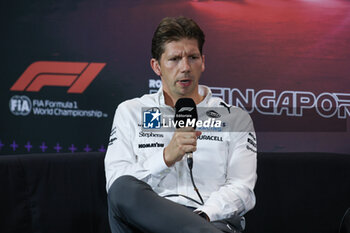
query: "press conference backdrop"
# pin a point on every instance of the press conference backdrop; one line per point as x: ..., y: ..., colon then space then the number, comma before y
x: 66, y: 65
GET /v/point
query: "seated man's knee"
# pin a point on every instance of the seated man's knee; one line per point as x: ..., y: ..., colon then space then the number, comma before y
x: 123, y: 190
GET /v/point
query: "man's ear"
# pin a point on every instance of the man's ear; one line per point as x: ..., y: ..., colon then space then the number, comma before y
x: 156, y: 66
x: 203, y: 63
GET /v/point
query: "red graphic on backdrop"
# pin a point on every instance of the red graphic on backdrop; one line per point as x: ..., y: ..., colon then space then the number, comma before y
x: 76, y: 75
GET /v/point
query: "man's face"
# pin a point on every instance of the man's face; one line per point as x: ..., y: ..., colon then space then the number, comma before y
x: 180, y: 67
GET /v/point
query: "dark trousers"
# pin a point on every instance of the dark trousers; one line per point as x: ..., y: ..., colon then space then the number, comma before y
x: 134, y: 207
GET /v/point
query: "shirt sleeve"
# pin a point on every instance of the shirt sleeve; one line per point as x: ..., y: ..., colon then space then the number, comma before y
x: 121, y: 158
x: 236, y: 196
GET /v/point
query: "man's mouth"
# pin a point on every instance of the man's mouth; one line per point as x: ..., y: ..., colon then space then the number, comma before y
x: 184, y: 82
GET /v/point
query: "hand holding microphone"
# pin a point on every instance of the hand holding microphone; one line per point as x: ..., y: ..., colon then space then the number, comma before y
x: 184, y: 140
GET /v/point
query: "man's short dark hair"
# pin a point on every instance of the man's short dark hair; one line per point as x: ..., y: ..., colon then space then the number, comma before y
x: 175, y: 29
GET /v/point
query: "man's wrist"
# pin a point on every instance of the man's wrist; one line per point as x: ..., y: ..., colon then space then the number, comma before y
x: 165, y: 160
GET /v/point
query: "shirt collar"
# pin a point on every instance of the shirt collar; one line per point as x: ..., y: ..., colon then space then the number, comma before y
x: 202, y: 90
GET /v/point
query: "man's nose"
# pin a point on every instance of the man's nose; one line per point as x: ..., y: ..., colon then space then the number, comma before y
x: 185, y: 65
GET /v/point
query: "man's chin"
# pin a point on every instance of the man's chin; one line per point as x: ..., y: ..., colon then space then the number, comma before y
x: 186, y: 93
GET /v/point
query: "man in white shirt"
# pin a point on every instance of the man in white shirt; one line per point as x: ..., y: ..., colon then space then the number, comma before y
x: 144, y: 169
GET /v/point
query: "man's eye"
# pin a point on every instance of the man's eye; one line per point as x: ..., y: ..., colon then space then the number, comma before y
x: 194, y: 57
x: 174, y: 59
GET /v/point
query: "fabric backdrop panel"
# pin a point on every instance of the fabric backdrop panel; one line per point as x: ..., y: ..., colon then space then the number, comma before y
x: 68, y: 64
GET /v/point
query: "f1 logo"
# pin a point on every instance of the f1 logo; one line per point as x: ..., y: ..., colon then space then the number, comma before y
x: 76, y: 75
x: 184, y: 109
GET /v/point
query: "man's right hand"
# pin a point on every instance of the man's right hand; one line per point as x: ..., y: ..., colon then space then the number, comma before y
x: 183, y: 141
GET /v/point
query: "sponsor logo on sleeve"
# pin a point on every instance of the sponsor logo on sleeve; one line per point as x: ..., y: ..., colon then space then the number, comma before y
x: 113, y: 131
x: 111, y: 141
x: 113, y: 136
x: 252, y: 136
x: 251, y: 143
x: 251, y: 149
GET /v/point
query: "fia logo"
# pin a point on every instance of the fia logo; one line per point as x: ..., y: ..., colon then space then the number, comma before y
x: 20, y: 105
x: 152, y: 119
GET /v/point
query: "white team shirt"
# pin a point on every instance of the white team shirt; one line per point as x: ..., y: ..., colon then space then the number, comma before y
x: 224, y: 165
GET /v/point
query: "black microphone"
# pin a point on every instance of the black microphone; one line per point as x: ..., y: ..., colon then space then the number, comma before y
x: 185, y: 113
x: 186, y: 116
